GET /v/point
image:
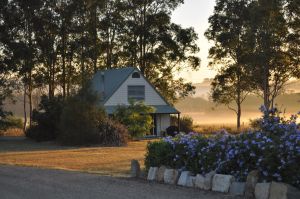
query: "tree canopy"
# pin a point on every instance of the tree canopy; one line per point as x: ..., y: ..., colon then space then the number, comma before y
x: 54, y: 47
x: 256, y: 49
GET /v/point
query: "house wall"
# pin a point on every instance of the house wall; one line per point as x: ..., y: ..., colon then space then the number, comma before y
x: 121, y: 95
x: 163, y: 121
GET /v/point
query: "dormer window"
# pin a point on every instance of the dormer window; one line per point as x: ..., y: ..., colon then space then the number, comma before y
x: 136, y: 75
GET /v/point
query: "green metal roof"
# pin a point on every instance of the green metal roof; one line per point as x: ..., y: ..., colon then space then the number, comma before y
x: 113, y: 79
x: 161, y: 109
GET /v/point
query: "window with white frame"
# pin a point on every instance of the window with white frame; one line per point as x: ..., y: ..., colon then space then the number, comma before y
x: 136, y: 93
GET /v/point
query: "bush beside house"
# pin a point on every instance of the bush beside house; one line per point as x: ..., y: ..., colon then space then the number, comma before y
x: 136, y: 117
x: 78, y: 120
x: 112, y: 133
x: 45, y: 124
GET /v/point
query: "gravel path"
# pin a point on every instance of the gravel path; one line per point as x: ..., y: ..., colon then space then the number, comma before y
x: 34, y: 183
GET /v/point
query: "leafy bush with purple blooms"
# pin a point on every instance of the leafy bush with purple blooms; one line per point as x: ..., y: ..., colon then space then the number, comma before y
x: 274, y: 151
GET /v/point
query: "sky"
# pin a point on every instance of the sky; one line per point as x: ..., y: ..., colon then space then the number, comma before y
x: 195, y: 13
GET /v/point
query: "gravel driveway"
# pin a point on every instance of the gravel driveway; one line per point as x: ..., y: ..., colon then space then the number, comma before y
x: 34, y: 183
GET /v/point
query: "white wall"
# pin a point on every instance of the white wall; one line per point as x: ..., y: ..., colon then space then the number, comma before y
x: 163, y: 121
x: 121, y: 95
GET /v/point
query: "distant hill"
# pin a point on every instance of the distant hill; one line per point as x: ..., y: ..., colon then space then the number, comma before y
x: 203, y: 88
x: 289, y: 102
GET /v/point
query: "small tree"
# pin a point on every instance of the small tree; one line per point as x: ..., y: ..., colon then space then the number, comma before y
x: 231, y: 87
x: 274, y: 41
x: 46, y: 119
x: 81, y: 118
x: 136, y: 117
x: 229, y: 28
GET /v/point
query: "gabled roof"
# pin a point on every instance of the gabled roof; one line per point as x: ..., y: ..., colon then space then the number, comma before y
x: 113, y: 79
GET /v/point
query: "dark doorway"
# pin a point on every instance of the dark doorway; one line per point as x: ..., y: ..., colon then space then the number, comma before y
x: 154, y: 122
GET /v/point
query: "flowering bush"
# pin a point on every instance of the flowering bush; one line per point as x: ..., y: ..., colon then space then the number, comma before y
x: 274, y: 151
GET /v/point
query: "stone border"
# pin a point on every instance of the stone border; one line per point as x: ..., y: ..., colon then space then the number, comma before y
x: 225, y: 183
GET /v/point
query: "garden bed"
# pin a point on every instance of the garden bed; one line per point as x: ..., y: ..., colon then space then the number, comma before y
x: 273, y: 150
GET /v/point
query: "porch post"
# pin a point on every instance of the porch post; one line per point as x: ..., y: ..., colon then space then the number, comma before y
x: 178, y: 122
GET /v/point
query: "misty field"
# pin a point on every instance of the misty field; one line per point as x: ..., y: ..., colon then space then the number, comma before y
x: 205, y: 112
x: 103, y: 160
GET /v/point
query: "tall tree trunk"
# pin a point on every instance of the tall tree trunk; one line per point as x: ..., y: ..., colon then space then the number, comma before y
x: 266, y: 87
x: 82, y: 66
x: 51, y: 82
x: 24, y: 108
x: 30, y: 98
x: 94, y: 33
x: 69, y: 75
x: 64, y: 62
x: 239, y: 114
x: 144, y: 39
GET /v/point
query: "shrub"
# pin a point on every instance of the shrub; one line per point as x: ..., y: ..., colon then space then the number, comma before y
x: 45, y: 125
x: 112, y: 133
x: 159, y: 153
x: 255, y: 123
x: 11, y: 122
x: 36, y: 133
x: 172, y: 131
x: 274, y: 151
x: 80, y: 119
x: 186, y: 123
x: 136, y: 117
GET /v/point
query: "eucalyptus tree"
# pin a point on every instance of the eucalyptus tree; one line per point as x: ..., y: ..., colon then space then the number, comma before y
x: 56, y: 45
x: 228, y: 30
x: 110, y: 30
x: 261, y: 37
x: 18, y: 41
x: 292, y: 8
x: 272, y: 61
x: 158, y: 47
x: 230, y: 87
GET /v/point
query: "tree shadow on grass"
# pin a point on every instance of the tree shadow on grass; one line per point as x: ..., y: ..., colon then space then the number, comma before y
x: 22, y: 144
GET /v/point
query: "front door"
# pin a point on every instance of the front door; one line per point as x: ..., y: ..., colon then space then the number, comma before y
x: 154, y: 123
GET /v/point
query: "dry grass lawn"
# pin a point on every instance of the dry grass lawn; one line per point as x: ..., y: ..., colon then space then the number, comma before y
x: 103, y: 160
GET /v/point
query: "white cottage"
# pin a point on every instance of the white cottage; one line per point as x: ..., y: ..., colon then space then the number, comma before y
x: 117, y: 86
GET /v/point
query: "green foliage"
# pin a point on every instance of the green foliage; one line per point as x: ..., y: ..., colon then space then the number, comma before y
x: 112, y: 133
x: 186, y: 123
x: 273, y: 150
x: 255, y: 123
x: 159, y: 153
x: 136, y: 117
x: 253, y: 40
x: 81, y: 118
x: 46, y: 119
x: 228, y: 27
x: 11, y: 122
x: 61, y: 44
